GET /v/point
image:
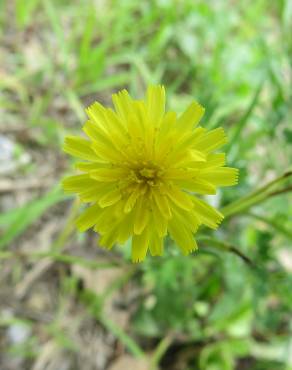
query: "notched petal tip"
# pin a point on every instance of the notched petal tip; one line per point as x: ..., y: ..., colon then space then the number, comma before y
x: 236, y: 176
x: 219, y: 220
x: 191, y: 116
x: 137, y: 260
x: 80, y: 148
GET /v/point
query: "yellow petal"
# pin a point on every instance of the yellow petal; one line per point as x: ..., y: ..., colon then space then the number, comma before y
x: 141, y: 216
x: 87, y: 166
x: 181, y: 236
x: 214, y: 160
x: 159, y: 221
x: 92, y: 194
x: 165, y: 147
x: 94, y: 132
x: 110, y: 198
x: 106, y: 152
x: 89, y: 217
x: 115, y: 122
x: 186, y: 218
x: 133, y: 116
x: 180, y: 173
x: 111, y: 136
x: 107, y: 144
x: 123, y: 104
x: 211, y: 140
x: 162, y: 204
x: 109, y: 238
x: 191, y: 117
x: 88, y: 189
x: 180, y: 198
x: 197, y: 156
x: 184, y: 155
x: 208, y: 215
x: 108, y: 174
x: 156, y: 244
x: 184, y: 143
x: 224, y: 176
x: 80, y: 148
x: 108, y: 218
x: 96, y: 113
x: 197, y: 185
x: 126, y: 227
x: 155, y: 104
x: 78, y: 183
x: 140, y: 245
x: 131, y: 201
x: 167, y: 124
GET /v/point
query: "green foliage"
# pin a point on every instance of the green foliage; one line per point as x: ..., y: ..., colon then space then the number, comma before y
x: 18, y: 220
x: 233, y: 57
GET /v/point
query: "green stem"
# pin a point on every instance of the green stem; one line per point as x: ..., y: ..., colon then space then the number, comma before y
x: 124, y: 338
x: 228, y: 248
x: 58, y: 257
x: 160, y: 350
x: 256, y: 196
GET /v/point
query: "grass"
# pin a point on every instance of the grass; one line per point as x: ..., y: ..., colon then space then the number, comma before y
x: 210, y: 310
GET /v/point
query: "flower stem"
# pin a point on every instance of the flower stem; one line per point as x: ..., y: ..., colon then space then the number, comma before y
x: 228, y: 248
x: 257, y: 196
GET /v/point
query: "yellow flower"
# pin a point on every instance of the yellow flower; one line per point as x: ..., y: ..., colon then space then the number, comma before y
x: 141, y: 168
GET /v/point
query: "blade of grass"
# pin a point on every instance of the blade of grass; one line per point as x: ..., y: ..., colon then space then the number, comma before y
x: 75, y: 104
x: 159, y: 351
x: 107, y: 82
x: 234, y: 137
x: 24, y: 11
x: 124, y: 338
x: 20, y: 219
x: 94, y: 304
x: 58, y: 257
x: 57, y: 28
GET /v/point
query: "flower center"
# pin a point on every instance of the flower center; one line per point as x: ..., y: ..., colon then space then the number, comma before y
x: 146, y: 173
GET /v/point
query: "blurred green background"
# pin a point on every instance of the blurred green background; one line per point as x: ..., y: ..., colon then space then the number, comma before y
x: 66, y: 304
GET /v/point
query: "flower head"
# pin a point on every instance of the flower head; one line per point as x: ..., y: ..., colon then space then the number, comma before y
x: 141, y: 168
